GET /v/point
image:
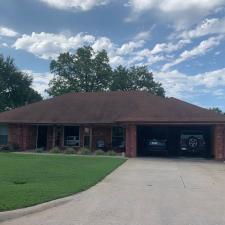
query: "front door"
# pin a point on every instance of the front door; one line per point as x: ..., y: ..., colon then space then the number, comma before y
x: 42, y: 137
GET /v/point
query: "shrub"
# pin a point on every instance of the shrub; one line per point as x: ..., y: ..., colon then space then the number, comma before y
x: 10, y: 147
x: 111, y: 153
x: 6, y: 148
x: 15, y: 147
x: 99, y: 152
x: 39, y: 150
x: 84, y: 151
x: 69, y: 151
x: 55, y: 149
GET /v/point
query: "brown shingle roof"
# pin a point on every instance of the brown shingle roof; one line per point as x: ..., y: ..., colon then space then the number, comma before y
x: 110, y: 107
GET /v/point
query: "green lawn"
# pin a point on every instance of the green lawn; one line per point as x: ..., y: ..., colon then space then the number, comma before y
x: 27, y: 180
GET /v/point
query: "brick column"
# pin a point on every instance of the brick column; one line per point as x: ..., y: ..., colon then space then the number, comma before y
x: 219, y: 142
x: 25, y: 137
x: 131, y: 141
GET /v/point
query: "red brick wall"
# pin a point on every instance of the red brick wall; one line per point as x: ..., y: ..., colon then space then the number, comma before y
x: 219, y: 142
x: 131, y: 141
x: 23, y: 135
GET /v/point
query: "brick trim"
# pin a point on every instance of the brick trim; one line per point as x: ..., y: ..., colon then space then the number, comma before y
x: 131, y: 141
x: 219, y: 142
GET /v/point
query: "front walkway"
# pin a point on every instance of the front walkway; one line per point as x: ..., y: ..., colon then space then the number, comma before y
x: 146, y: 192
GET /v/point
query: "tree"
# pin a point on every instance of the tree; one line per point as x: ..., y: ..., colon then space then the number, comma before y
x: 217, y: 110
x: 121, y: 80
x: 84, y: 71
x: 135, y: 78
x: 89, y: 71
x: 15, y: 86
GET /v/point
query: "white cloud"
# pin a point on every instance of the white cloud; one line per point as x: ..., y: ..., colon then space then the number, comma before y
x: 199, y: 50
x: 180, y: 12
x: 146, y: 56
x: 183, y: 6
x: 202, y: 48
x: 181, y: 85
x: 5, y: 31
x: 40, y: 81
x: 207, y: 27
x: 144, y: 35
x: 149, y: 57
x: 5, y: 45
x: 169, y: 47
x: 129, y: 47
x: 103, y: 43
x: 83, y: 5
x: 116, y: 60
x: 48, y: 45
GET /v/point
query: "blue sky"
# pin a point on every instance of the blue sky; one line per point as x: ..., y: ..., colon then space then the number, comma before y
x: 182, y: 42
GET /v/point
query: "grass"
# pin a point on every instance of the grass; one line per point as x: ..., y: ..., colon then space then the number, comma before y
x: 27, y: 180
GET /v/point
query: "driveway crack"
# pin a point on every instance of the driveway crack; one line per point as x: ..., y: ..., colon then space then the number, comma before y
x: 182, y: 180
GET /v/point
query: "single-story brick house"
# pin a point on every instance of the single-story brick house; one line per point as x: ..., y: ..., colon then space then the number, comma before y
x: 113, y: 120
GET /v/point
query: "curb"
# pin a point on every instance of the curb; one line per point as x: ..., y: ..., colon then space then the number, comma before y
x: 69, y: 155
x: 13, y: 214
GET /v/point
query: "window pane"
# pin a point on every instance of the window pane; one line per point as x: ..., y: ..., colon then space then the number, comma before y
x: 117, y: 131
x: 118, y: 143
x: 118, y: 138
x: 3, y: 130
x: 3, y: 139
x: 3, y: 135
x: 71, y: 136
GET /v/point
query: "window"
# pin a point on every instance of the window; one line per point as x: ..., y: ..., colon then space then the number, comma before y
x: 71, y: 136
x: 118, y: 138
x: 3, y: 135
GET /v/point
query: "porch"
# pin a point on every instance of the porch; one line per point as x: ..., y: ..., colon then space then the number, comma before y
x: 30, y: 137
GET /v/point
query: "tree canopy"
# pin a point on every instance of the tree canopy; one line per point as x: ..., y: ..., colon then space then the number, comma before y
x: 217, y: 110
x: 15, y: 86
x: 90, y: 71
x: 85, y: 71
x: 135, y: 78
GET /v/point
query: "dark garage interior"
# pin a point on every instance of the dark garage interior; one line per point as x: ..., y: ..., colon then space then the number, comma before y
x: 174, y: 141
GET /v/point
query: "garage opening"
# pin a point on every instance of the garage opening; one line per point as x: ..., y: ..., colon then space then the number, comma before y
x: 161, y: 140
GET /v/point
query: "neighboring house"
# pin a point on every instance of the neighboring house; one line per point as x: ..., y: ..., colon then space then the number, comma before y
x: 111, y: 120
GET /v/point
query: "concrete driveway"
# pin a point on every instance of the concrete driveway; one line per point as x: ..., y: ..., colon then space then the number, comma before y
x: 146, y: 192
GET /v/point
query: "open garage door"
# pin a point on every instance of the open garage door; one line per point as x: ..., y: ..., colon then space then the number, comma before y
x: 189, y: 141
